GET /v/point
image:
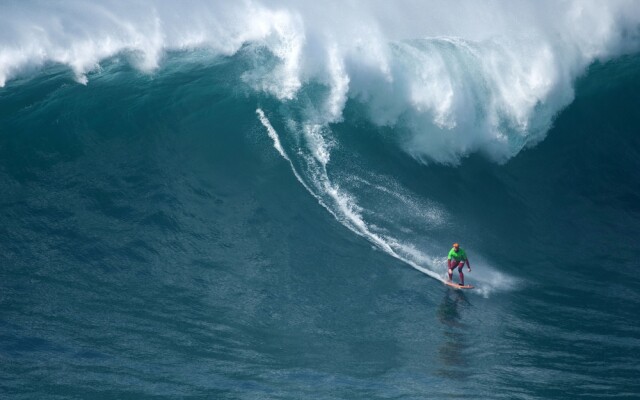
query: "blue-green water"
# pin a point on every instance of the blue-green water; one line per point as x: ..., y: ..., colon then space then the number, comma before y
x: 157, y: 242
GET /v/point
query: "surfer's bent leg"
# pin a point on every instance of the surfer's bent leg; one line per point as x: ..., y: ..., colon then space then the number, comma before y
x: 460, y: 265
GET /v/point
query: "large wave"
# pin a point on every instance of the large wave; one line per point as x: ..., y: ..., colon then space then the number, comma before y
x: 450, y: 78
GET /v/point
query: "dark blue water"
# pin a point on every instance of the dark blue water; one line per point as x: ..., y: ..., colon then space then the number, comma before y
x: 154, y: 243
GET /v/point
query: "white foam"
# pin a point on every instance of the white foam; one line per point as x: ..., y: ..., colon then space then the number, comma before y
x: 483, y: 78
x: 410, y: 206
x: 272, y: 134
x: 458, y: 77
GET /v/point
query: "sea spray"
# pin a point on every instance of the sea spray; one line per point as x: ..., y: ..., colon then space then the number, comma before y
x: 491, y: 82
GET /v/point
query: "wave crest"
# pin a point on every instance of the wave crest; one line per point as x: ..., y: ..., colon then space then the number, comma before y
x: 453, y: 78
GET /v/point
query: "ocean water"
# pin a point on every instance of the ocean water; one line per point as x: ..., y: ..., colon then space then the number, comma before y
x: 255, y: 200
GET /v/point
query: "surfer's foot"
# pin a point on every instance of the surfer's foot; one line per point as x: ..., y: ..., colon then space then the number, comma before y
x: 461, y: 284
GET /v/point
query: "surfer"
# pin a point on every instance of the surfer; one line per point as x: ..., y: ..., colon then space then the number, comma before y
x: 456, y: 259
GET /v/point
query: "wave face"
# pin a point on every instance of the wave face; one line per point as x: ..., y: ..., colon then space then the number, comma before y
x: 249, y: 199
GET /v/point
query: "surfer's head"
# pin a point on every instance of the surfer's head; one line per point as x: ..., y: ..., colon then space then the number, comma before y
x: 456, y: 246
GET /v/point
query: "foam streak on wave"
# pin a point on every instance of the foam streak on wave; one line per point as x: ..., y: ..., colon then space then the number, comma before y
x: 347, y: 211
x: 278, y: 146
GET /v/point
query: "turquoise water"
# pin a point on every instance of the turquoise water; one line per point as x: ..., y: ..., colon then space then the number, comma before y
x: 180, y: 234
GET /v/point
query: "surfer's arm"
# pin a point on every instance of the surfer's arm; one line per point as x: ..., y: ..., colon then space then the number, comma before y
x: 468, y: 265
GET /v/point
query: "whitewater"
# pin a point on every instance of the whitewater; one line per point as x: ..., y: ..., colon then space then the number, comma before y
x: 487, y: 79
x: 255, y: 199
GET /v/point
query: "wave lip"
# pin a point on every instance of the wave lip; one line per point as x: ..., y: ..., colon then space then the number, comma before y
x: 486, y: 78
